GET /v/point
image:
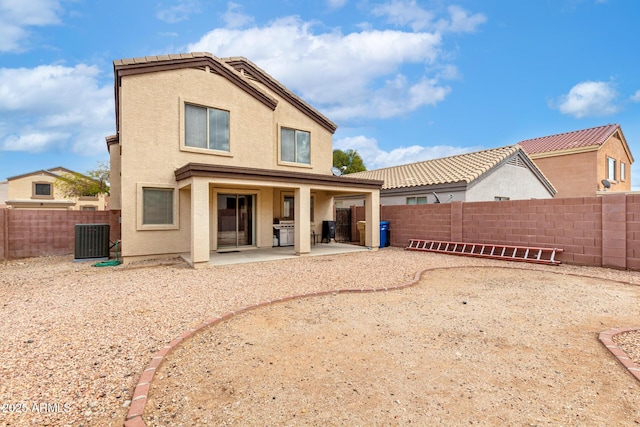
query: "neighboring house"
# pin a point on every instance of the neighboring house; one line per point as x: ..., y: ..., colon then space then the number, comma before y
x: 578, y: 162
x: 504, y: 173
x: 37, y: 190
x: 4, y: 193
x: 210, y: 153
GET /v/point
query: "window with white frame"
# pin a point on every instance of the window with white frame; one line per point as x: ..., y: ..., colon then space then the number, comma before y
x: 206, y: 128
x: 611, y: 169
x: 295, y: 146
x: 157, y: 206
x: 623, y: 171
x: 422, y: 200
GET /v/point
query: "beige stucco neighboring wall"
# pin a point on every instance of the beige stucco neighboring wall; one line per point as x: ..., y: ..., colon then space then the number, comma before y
x: 4, y: 192
x: 21, y: 195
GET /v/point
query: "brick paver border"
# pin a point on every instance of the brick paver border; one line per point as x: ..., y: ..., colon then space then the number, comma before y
x: 139, y: 399
x: 606, y: 338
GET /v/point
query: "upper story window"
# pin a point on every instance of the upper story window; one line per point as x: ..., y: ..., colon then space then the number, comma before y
x: 206, y: 128
x: 295, y: 146
x: 611, y: 169
x: 42, y: 190
x: 623, y: 171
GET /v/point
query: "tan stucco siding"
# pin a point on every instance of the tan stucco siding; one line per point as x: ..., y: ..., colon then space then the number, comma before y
x: 22, y: 189
x: 614, y: 148
x: 115, y: 180
x: 151, y: 149
x: 573, y: 175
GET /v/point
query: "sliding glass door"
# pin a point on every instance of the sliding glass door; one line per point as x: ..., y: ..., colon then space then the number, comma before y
x: 236, y: 224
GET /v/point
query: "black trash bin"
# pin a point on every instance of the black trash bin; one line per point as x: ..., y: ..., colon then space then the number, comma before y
x: 328, y: 231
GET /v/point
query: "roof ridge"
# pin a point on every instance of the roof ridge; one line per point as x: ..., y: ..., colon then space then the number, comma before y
x: 446, y: 157
x: 615, y: 125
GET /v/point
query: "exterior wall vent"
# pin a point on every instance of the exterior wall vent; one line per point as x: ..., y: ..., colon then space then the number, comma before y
x: 92, y: 241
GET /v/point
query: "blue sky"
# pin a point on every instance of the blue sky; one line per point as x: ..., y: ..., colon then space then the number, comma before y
x: 405, y: 80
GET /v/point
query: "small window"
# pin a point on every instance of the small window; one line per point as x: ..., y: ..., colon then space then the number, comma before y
x: 89, y: 208
x: 42, y: 189
x: 288, y: 208
x: 206, y: 128
x: 501, y: 198
x: 295, y: 146
x: 623, y: 171
x: 157, y: 206
x: 611, y: 169
x: 422, y: 200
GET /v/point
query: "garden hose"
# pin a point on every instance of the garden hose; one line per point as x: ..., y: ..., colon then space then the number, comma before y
x: 110, y: 263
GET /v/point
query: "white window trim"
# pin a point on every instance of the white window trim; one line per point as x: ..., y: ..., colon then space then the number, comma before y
x: 615, y: 175
x: 623, y: 171
x: 296, y: 164
x: 208, y: 151
x: 139, y: 207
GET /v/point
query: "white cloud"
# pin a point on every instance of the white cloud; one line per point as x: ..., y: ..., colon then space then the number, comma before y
x: 51, y: 107
x: 179, y: 11
x: 336, y: 4
x: 360, y: 74
x: 16, y: 16
x: 636, y: 96
x: 588, y: 99
x: 234, y: 18
x: 376, y: 158
x: 409, y: 13
x: 461, y: 22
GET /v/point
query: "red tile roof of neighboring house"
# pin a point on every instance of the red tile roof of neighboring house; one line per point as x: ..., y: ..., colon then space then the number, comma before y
x: 570, y: 140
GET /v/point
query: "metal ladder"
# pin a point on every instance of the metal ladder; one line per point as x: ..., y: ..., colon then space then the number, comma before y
x: 487, y: 250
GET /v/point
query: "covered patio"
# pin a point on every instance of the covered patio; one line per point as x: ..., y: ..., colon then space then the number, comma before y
x: 276, y: 253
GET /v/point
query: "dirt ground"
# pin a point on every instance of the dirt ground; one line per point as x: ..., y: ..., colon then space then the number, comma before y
x: 468, y: 345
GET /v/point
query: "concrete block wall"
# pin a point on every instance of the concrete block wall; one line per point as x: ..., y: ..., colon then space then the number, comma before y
x: 3, y: 233
x: 30, y: 233
x: 597, y: 231
x: 633, y: 231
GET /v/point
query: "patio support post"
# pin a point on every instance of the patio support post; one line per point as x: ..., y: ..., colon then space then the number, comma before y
x: 302, y: 220
x: 199, y: 222
x: 372, y: 216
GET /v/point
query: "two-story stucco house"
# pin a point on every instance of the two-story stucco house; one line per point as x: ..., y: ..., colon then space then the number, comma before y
x: 37, y: 190
x: 210, y: 153
x: 583, y: 162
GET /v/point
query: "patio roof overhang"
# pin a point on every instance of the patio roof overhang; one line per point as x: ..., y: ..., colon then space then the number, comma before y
x: 234, y: 172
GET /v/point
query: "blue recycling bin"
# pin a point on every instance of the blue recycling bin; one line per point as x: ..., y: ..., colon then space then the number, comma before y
x: 384, y: 230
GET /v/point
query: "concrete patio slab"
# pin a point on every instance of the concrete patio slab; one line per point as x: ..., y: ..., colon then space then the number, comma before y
x: 250, y: 255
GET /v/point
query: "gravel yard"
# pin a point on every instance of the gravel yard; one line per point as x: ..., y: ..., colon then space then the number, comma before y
x: 76, y: 338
